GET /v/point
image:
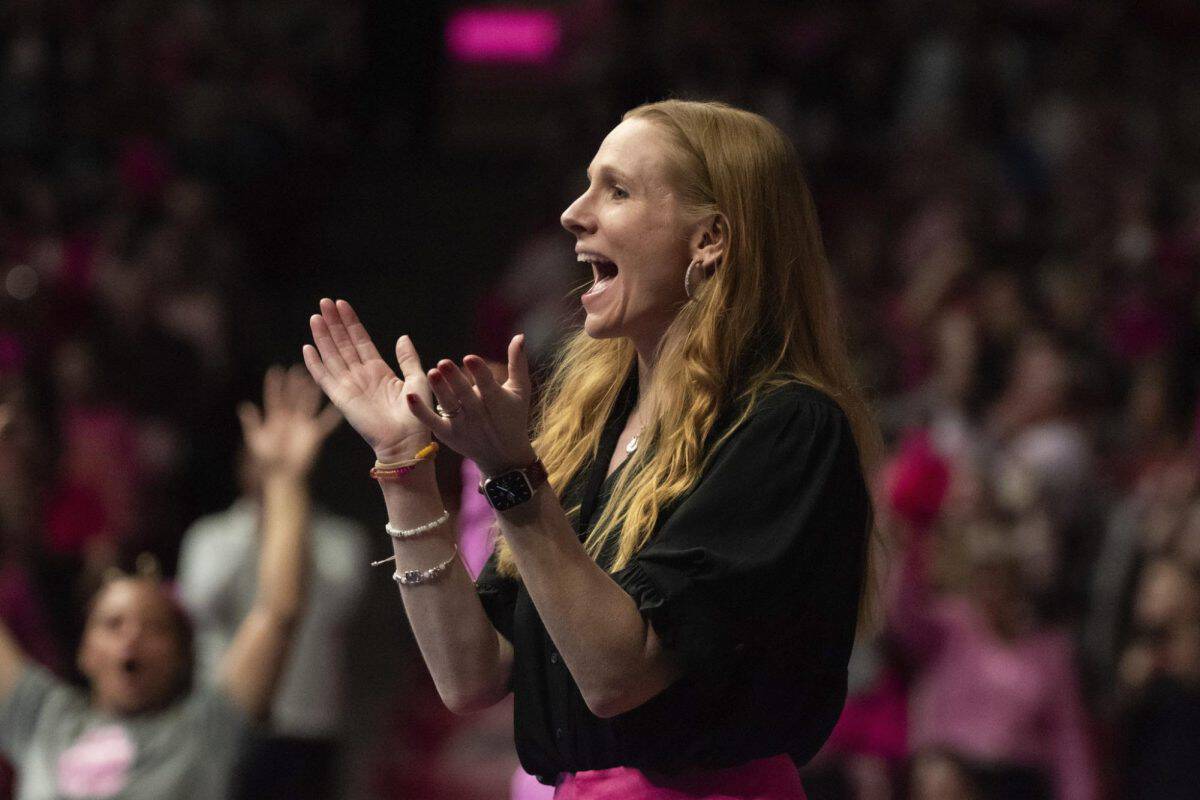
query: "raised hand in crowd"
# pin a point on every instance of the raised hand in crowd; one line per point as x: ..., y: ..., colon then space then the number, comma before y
x: 282, y: 440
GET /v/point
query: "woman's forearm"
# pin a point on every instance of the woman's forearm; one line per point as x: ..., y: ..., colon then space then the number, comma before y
x: 612, y: 652
x: 252, y: 666
x: 469, y: 661
x: 283, y: 562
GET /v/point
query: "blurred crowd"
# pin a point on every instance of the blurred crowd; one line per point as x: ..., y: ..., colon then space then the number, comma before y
x: 128, y: 131
x: 1010, y: 196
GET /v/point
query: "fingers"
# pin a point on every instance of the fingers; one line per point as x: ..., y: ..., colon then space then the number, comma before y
x: 273, y: 391
x: 250, y: 419
x: 335, y: 365
x: 338, y: 333
x: 426, y: 416
x: 328, y: 419
x: 358, y: 334
x: 443, y: 392
x: 449, y: 373
x: 303, y: 396
x: 289, y: 392
x: 518, y: 368
x: 316, y: 369
x: 485, y: 381
x: 407, y: 358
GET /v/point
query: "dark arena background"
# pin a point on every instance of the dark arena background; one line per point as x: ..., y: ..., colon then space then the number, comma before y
x: 1009, y: 193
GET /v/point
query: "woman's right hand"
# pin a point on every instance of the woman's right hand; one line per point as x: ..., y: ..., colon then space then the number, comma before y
x: 348, y: 368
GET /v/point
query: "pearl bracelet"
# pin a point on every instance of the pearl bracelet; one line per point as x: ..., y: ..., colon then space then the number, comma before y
x: 408, y: 533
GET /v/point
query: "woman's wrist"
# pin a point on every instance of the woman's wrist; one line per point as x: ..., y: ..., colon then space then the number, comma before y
x: 284, y: 478
x: 528, y: 516
x: 403, y: 450
x: 490, y: 469
x: 413, y: 499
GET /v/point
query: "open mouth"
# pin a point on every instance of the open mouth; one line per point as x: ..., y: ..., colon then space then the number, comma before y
x: 603, y: 272
x: 130, y: 666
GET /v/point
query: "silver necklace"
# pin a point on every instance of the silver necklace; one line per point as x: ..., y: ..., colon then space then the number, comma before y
x: 629, y: 448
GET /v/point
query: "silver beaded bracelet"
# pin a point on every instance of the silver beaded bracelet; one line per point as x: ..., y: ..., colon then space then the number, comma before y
x: 413, y: 577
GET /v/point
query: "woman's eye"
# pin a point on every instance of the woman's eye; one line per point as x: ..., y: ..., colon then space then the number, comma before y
x: 619, y: 193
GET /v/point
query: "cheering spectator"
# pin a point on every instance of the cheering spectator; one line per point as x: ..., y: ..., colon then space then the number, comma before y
x: 140, y: 730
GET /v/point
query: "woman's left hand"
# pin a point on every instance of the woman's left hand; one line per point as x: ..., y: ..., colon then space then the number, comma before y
x: 482, y: 419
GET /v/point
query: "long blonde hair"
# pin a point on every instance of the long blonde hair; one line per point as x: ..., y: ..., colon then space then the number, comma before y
x: 766, y: 317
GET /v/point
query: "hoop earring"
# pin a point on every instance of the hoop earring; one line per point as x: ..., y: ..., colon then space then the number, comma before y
x: 687, y: 279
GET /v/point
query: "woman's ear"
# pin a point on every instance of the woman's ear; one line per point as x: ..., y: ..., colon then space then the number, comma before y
x: 709, y: 241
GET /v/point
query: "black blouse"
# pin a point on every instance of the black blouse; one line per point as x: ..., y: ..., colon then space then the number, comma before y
x: 752, y: 581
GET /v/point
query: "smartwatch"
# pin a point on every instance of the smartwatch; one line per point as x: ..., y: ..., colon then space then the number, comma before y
x: 510, y: 489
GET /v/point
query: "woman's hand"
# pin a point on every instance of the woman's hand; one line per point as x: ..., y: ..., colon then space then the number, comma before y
x: 483, y: 420
x: 356, y: 379
x: 285, y: 437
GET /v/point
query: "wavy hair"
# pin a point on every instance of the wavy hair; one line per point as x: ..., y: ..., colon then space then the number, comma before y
x: 767, y: 316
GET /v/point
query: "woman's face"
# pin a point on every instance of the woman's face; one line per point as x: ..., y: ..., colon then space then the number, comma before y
x: 630, y: 226
x: 131, y: 650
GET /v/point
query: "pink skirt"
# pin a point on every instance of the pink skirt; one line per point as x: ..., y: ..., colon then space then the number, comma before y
x: 766, y: 779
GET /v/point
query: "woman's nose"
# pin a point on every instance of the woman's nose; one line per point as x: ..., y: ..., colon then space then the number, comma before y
x: 577, y: 219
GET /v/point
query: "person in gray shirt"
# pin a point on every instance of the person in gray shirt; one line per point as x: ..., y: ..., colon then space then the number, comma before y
x: 296, y: 756
x: 139, y: 731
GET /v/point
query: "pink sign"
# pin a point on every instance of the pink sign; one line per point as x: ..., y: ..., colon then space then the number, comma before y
x: 512, y: 35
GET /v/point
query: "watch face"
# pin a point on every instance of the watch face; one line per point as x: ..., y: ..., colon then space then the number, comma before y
x: 507, y: 490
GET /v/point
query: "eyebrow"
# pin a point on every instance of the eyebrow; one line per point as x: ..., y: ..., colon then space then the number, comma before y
x: 610, y: 172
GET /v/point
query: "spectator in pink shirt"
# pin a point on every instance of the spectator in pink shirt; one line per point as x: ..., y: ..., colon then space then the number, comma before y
x: 995, y: 706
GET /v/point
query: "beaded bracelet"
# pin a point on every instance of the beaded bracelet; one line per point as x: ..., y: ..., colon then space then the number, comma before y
x: 413, y: 577
x: 408, y: 533
x: 425, y: 452
x: 387, y: 472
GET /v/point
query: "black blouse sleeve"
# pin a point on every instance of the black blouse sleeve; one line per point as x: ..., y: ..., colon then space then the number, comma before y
x: 498, y: 595
x: 753, y: 554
